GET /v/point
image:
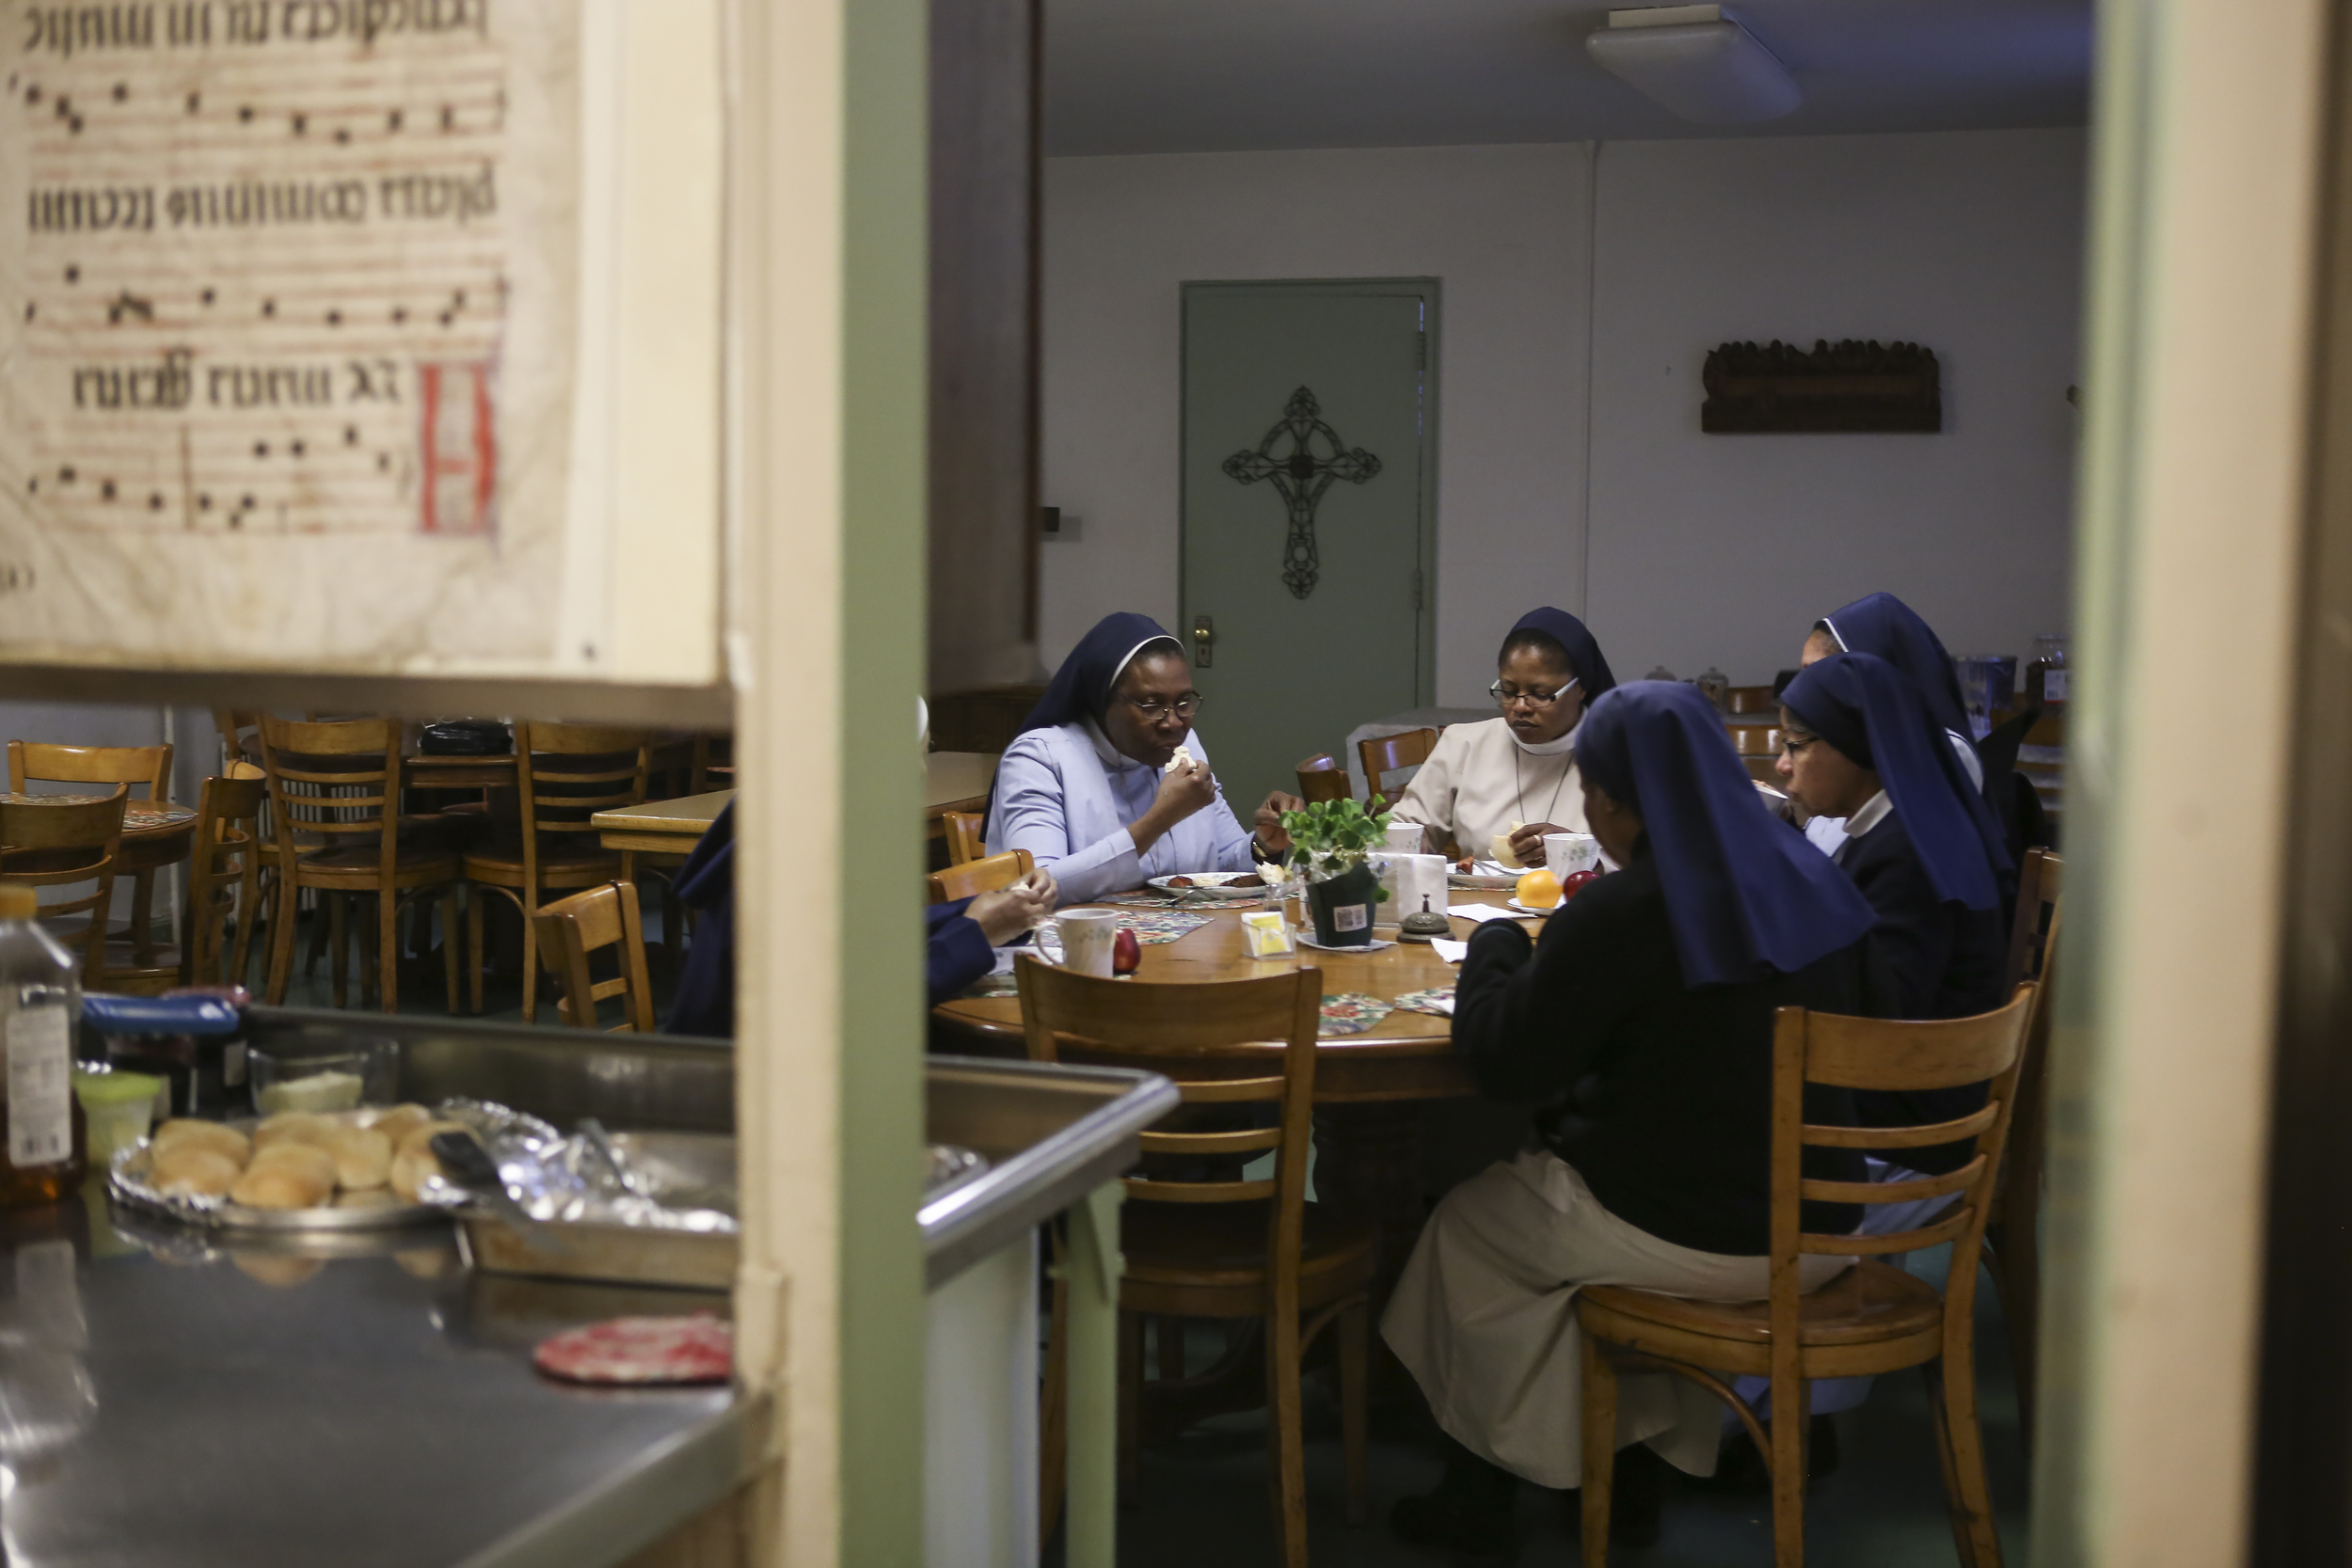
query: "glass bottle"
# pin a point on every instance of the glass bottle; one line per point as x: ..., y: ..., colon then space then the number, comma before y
x: 2045, y: 677
x: 44, y: 1147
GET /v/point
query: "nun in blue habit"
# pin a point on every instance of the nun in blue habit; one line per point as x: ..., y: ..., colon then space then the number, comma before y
x: 1109, y: 786
x: 1638, y: 1029
x: 1883, y: 626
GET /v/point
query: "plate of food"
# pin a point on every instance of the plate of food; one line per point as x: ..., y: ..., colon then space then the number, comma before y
x: 298, y: 1171
x: 1213, y: 884
x: 1485, y: 875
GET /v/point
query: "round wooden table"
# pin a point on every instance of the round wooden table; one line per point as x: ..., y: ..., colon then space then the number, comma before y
x: 155, y: 835
x: 1372, y: 1090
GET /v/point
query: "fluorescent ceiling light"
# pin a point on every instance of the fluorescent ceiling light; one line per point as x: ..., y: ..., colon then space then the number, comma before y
x: 1698, y: 62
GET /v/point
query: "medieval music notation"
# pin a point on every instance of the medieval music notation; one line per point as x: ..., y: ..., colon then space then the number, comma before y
x: 265, y: 269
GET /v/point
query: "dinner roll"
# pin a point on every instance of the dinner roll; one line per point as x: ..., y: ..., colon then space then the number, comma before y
x: 398, y: 1122
x: 281, y: 1185
x: 224, y: 1141
x: 362, y: 1157
x: 371, y: 1198
x: 302, y: 1127
x: 308, y: 1161
x: 191, y: 1169
x: 411, y: 1169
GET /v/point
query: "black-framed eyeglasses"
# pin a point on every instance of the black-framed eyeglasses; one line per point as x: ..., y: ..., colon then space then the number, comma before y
x: 1534, y: 699
x: 1792, y: 742
x: 1153, y: 709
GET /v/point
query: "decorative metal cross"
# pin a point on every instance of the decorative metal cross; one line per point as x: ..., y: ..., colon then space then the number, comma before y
x: 1300, y: 478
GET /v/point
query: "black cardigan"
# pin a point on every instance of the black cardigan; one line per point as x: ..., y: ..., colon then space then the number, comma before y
x: 1658, y: 1095
x: 1945, y: 960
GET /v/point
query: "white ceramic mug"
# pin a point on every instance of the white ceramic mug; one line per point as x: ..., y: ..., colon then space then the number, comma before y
x: 1086, y: 936
x: 1405, y: 838
x: 1565, y: 853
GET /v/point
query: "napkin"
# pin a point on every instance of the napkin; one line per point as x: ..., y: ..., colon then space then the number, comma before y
x: 1451, y: 952
x: 1480, y: 912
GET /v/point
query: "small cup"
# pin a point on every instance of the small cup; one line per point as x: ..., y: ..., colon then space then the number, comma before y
x: 364, y: 1070
x: 1566, y: 853
x: 1405, y: 838
x: 1086, y: 936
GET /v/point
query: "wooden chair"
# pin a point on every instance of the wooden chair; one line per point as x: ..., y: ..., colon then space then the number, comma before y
x: 32, y: 761
x: 224, y: 896
x: 2012, y: 1229
x: 1241, y: 1248
x: 1874, y: 1318
x: 60, y: 844
x: 981, y: 876
x: 962, y: 830
x: 1322, y: 778
x: 566, y: 774
x: 334, y: 798
x: 1386, y: 753
x: 571, y: 928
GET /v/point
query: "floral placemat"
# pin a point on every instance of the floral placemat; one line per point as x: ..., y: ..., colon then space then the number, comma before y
x: 1437, y: 1001
x: 1152, y: 927
x: 1351, y: 1013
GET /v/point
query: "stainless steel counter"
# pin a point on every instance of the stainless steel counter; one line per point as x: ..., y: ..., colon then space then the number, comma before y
x: 260, y: 1408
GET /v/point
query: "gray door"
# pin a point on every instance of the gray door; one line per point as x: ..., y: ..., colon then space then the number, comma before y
x: 1307, y: 439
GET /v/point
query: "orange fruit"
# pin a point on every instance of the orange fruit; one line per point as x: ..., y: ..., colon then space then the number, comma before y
x: 1539, y: 889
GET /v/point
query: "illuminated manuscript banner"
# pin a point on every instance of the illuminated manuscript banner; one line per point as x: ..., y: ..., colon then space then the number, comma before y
x: 289, y: 307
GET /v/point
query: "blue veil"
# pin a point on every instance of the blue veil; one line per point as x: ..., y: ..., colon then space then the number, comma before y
x: 1883, y: 625
x: 1746, y: 895
x: 1584, y: 656
x: 1083, y: 684
x: 1867, y: 709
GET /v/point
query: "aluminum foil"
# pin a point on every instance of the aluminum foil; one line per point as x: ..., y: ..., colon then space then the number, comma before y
x: 569, y: 1179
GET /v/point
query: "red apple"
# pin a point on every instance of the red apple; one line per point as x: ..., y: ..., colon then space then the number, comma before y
x: 1127, y: 952
x: 1571, y: 884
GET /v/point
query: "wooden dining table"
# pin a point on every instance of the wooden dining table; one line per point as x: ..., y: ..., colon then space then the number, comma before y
x: 155, y: 835
x: 661, y: 827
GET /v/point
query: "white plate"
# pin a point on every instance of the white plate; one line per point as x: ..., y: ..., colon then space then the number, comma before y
x: 1373, y: 947
x: 1525, y: 909
x: 1212, y: 884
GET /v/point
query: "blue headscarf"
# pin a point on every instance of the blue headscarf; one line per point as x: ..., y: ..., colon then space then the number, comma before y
x: 1082, y: 686
x: 1745, y: 893
x: 1882, y: 624
x: 1584, y: 659
x: 1868, y: 710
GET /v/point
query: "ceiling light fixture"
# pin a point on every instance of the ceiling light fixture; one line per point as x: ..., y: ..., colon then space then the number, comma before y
x: 1698, y: 62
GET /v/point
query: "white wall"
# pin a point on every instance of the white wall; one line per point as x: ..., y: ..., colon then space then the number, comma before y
x: 1713, y: 549
x: 1723, y: 548
x: 1502, y: 226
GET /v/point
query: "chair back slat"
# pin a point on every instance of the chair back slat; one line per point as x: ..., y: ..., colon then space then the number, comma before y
x: 1941, y: 1053
x: 1901, y: 1137
x: 316, y: 804
x: 1387, y: 753
x: 962, y: 830
x: 980, y: 875
x: 571, y: 929
x: 1910, y: 1191
x: 1944, y: 1228
x: 575, y: 759
x: 2041, y: 883
x: 1149, y: 1190
x: 31, y: 761
x: 61, y: 844
x: 1208, y: 1145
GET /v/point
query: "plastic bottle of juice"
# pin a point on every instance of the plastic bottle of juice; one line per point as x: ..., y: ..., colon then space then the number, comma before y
x: 43, y: 1145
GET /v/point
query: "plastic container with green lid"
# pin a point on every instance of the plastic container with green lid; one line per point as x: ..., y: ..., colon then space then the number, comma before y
x: 119, y: 1108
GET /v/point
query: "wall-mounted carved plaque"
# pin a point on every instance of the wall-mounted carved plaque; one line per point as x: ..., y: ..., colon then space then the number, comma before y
x: 1865, y: 388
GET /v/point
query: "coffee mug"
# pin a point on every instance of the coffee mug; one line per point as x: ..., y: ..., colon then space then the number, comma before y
x: 1405, y: 838
x: 1086, y: 936
x: 1565, y: 853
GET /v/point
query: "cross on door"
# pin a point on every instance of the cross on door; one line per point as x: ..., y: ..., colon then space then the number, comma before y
x: 1301, y: 477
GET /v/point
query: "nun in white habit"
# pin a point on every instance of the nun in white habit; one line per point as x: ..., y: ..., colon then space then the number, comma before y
x: 1108, y: 785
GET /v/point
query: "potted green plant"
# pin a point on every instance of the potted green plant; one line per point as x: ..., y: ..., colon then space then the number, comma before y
x: 1329, y: 840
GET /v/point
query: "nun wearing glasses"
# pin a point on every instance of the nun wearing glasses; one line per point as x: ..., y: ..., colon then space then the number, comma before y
x: 1519, y: 768
x: 1109, y: 786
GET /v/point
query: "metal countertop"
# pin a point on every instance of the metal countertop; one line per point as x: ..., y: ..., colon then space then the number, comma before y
x: 256, y: 1409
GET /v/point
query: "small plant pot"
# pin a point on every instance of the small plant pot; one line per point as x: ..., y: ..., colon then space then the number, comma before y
x: 1344, y: 907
